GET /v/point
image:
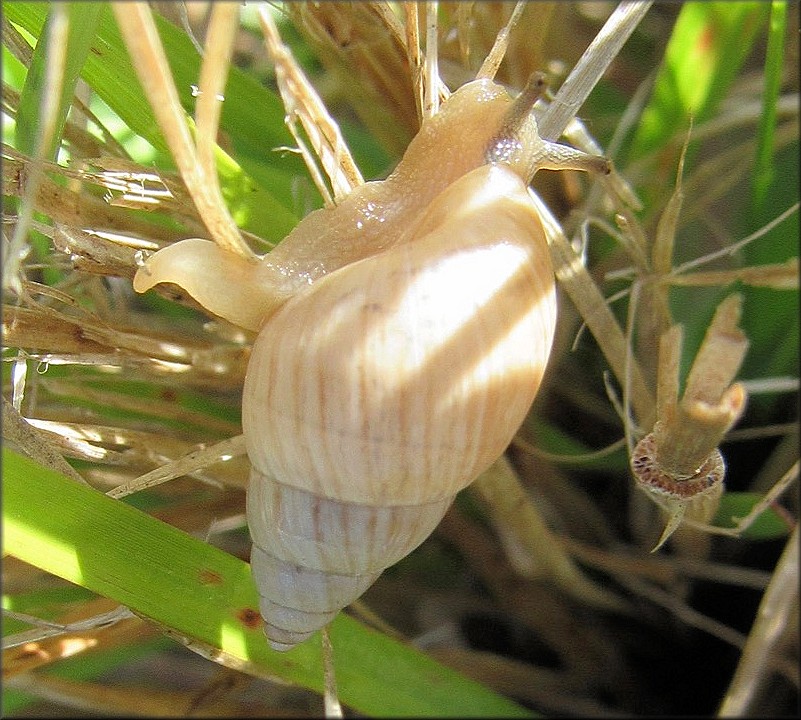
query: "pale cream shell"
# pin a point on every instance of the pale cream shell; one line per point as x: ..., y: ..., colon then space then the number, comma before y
x: 389, y: 385
x: 419, y: 363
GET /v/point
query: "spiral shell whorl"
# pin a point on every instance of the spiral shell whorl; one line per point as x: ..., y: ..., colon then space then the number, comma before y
x: 287, y: 621
x: 313, y: 556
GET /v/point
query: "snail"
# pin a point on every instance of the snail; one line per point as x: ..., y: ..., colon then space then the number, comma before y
x: 402, y: 338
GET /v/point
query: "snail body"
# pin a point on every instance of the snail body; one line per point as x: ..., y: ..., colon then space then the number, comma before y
x: 403, y: 335
x: 372, y: 218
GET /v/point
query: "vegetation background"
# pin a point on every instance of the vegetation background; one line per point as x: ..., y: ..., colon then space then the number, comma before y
x: 584, y: 619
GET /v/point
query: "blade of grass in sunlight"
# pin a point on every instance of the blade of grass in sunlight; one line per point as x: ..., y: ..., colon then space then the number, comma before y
x: 199, y: 592
x: 83, y: 17
x: 262, y: 197
x: 707, y: 48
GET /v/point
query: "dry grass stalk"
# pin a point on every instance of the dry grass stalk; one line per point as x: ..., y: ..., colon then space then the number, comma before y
x: 530, y: 546
x: 302, y: 101
x: 777, y: 611
x: 136, y: 23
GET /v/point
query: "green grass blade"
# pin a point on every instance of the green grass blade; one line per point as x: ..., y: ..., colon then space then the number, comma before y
x: 774, y: 61
x: 771, y: 317
x: 707, y: 48
x: 199, y: 592
x: 82, y: 18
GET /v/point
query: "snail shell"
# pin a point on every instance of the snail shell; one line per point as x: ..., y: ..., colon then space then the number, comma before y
x: 374, y: 397
x: 403, y: 335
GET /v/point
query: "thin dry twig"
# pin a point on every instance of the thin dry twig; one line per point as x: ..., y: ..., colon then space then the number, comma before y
x: 591, y: 304
x: 592, y: 65
x: 199, y: 459
x: 495, y: 56
x: 45, y: 629
x: 776, y: 612
x: 331, y: 702
x: 213, y: 71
